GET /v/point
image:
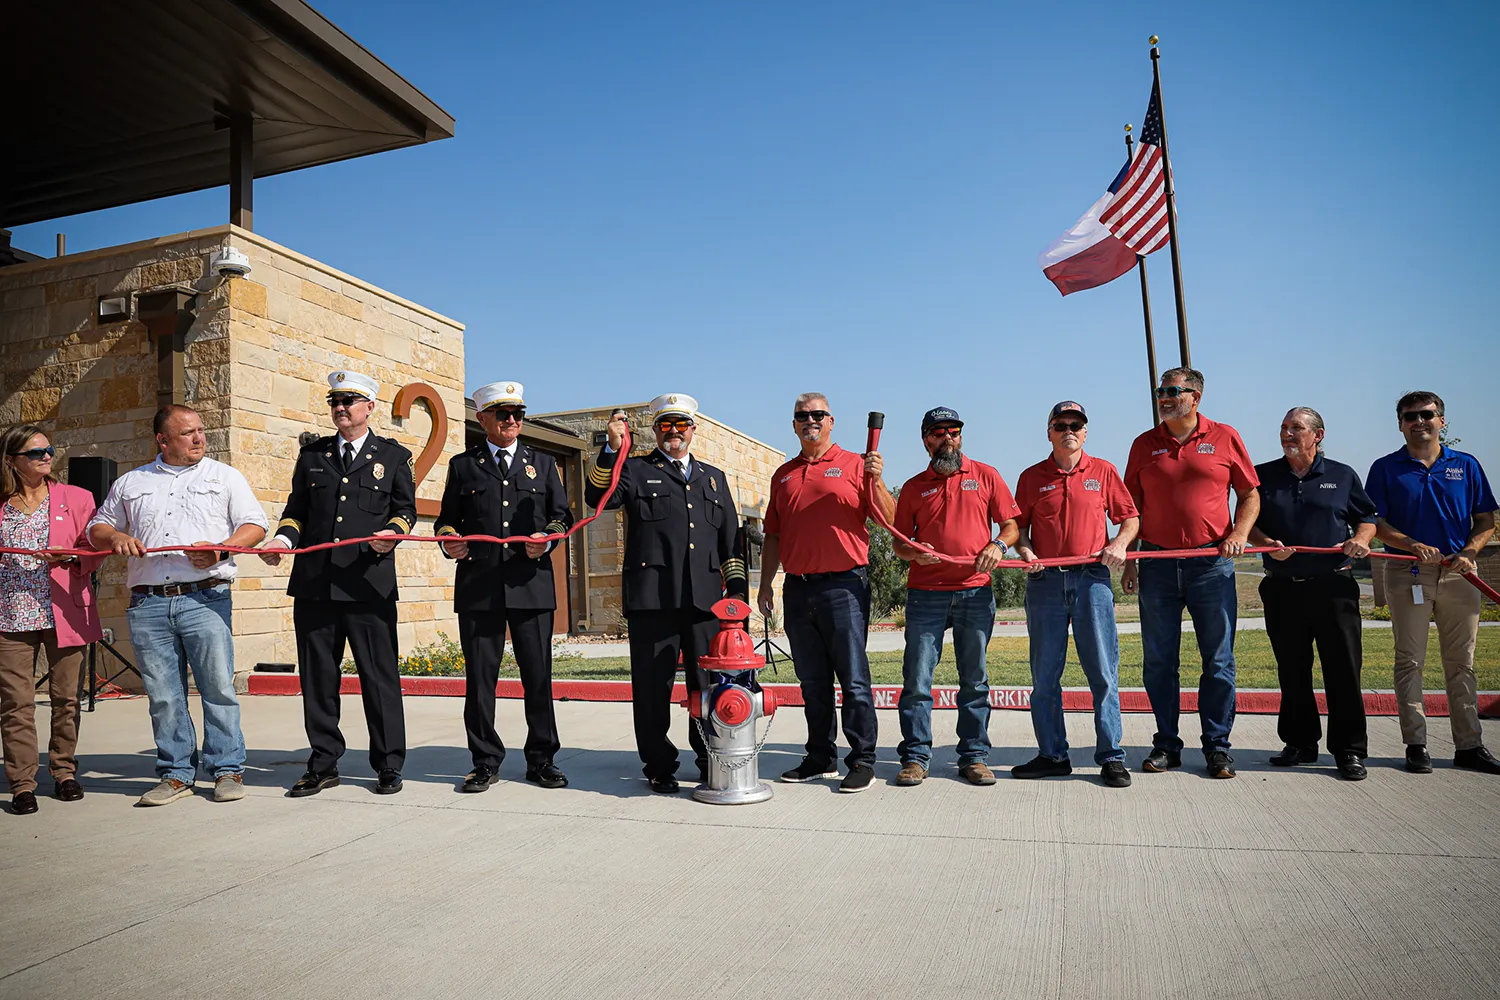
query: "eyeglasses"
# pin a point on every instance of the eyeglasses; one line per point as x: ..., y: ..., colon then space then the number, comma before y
x: 35, y: 454
x: 1412, y: 416
x: 1173, y: 391
x: 342, y: 400
x: 504, y: 413
x: 803, y: 416
x: 1067, y: 425
x: 673, y: 425
x: 945, y: 432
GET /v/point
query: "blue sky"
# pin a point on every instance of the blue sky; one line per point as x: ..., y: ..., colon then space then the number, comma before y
x: 743, y: 201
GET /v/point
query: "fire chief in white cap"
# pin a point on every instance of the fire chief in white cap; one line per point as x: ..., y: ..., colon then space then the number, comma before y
x: 503, y: 487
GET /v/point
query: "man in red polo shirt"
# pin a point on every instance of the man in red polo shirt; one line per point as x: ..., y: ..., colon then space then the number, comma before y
x: 1067, y: 501
x: 949, y: 508
x: 815, y: 530
x: 1180, y: 473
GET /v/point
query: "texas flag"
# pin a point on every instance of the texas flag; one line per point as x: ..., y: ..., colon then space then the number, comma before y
x: 1130, y: 219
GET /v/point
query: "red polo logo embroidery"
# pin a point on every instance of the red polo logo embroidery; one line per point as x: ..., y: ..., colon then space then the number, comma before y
x: 1205, y: 449
x: 1092, y: 485
x: 833, y: 472
x: 971, y: 484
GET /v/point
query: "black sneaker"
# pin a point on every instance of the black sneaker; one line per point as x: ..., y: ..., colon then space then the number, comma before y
x: 1160, y: 760
x: 1292, y: 755
x: 809, y: 770
x: 1042, y: 767
x: 1418, y: 760
x: 1220, y: 764
x: 1351, y: 768
x: 1476, y: 759
x: 858, y: 778
x: 1115, y: 774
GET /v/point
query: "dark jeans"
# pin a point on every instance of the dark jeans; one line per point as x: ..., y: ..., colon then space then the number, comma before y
x: 482, y: 634
x: 827, y: 624
x: 1204, y: 586
x: 657, y: 640
x: 369, y: 629
x: 1321, y: 610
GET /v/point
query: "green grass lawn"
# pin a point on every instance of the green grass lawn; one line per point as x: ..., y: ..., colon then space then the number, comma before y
x: 1009, y: 666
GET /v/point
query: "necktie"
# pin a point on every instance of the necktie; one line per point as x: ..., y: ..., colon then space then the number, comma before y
x: 348, y: 454
x: 505, y: 462
x: 681, y: 467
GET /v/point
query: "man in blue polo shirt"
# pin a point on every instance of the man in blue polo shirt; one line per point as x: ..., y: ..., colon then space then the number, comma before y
x: 1434, y: 503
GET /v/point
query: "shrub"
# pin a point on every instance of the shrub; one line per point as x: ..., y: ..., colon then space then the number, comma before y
x: 445, y: 658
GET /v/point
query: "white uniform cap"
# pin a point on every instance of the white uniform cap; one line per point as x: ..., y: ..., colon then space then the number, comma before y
x: 487, y: 396
x: 672, y: 404
x: 347, y: 381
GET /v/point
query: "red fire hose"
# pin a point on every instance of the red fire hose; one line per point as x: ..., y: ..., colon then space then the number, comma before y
x: 872, y: 443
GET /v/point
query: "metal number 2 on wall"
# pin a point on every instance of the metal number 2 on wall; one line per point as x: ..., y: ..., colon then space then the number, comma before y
x: 433, y: 449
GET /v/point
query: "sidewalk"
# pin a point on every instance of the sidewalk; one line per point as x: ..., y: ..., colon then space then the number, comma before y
x: 1279, y: 885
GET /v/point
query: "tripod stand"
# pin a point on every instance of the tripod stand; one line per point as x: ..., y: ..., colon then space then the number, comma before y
x: 769, y: 648
x: 108, y: 645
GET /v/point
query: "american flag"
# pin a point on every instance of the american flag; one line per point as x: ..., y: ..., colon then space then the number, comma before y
x: 1137, y: 215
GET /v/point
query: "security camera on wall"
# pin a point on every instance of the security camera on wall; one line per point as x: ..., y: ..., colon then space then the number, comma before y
x: 229, y: 263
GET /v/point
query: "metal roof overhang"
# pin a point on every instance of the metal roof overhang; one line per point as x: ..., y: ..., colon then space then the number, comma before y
x: 109, y: 102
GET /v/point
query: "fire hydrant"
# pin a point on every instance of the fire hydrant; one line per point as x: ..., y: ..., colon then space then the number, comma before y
x: 726, y: 710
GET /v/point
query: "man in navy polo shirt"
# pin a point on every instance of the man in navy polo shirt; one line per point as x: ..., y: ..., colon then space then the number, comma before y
x: 1434, y: 503
x: 1311, y: 598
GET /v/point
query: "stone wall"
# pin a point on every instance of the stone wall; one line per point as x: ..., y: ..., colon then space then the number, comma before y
x: 747, y: 464
x: 256, y: 359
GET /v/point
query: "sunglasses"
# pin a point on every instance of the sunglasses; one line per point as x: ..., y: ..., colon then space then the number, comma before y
x: 673, y: 425
x: 1067, y: 425
x: 803, y: 416
x: 945, y: 432
x: 504, y: 413
x: 35, y: 454
x: 1173, y: 391
x: 343, y: 400
x: 1412, y: 416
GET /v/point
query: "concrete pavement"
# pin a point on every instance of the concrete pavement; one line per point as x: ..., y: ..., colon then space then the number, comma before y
x: 1274, y: 885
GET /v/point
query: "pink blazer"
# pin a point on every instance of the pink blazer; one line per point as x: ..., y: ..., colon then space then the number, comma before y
x: 74, y: 610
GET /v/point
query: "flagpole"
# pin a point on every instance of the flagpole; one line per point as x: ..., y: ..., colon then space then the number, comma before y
x: 1166, y: 166
x: 1140, y: 265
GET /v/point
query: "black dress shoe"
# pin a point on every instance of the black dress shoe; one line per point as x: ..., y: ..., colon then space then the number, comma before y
x: 68, y: 790
x: 665, y: 785
x: 547, y: 775
x: 389, y: 782
x: 23, y: 803
x: 1418, y: 760
x: 1160, y: 760
x: 312, y: 783
x: 1476, y: 759
x: 480, y: 779
x: 1219, y: 763
x: 1295, y: 755
x: 1351, y: 768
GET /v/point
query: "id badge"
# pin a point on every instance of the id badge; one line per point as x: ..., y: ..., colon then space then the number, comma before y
x: 1416, y: 588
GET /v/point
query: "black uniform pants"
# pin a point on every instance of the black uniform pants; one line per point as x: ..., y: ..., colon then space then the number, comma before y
x: 1322, y: 610
x: 482, y: 635
x: 369, y: 628
x: 656, y: 640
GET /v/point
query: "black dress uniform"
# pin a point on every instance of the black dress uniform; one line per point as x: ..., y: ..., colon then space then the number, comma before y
x: 500, y: 587
x: 680, y: 560
x: 349, y: 593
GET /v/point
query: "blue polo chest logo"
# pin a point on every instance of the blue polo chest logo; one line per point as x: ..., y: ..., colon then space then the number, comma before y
x: 1328, y: 486
x: 1453, y: 474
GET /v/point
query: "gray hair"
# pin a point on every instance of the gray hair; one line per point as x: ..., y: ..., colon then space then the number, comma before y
x: 1314, y: 419
x: 1191, y: 376
x: 808, y: 397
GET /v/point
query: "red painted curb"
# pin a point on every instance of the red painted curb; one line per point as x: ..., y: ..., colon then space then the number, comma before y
x: 886, y: 695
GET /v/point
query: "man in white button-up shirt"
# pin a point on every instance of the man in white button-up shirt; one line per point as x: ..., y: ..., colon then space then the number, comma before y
x: 179, y: 613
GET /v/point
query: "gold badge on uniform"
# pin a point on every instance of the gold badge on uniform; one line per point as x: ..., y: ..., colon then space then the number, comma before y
x: 530, y: 472
x: 377, y: 470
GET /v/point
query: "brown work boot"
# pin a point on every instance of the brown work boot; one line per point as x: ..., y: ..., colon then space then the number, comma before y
x: 977, y: 773
x: 912, y: 773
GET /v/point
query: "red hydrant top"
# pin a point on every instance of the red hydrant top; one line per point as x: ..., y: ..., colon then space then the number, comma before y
x: 732, y: 651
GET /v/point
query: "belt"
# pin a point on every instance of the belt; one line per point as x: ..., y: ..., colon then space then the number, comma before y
x: 837, y: 575
x: 1153, y: 547
x: 178, y: 589
x: 1316, y: 576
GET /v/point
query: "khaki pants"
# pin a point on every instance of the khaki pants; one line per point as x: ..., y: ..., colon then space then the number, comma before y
x: 1453, y: 603
x: 18, y: 707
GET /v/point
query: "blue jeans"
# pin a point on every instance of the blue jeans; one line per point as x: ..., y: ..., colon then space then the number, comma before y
x: 171, y: 635
x: 1205, y: 587
x: 929, y: 613
x: 827, y: 624
x: 1083, y: 597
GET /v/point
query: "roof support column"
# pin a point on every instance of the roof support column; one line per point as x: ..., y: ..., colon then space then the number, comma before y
x: 241, y: 171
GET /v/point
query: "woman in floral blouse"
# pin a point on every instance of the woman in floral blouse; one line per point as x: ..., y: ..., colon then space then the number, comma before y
x: 46, y: 602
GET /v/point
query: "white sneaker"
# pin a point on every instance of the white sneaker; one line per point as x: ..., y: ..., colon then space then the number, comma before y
x: 169, y: 791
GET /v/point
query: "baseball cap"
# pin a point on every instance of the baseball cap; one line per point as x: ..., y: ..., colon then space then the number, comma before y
x: 940, y: 415
x: 1068, y: 406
